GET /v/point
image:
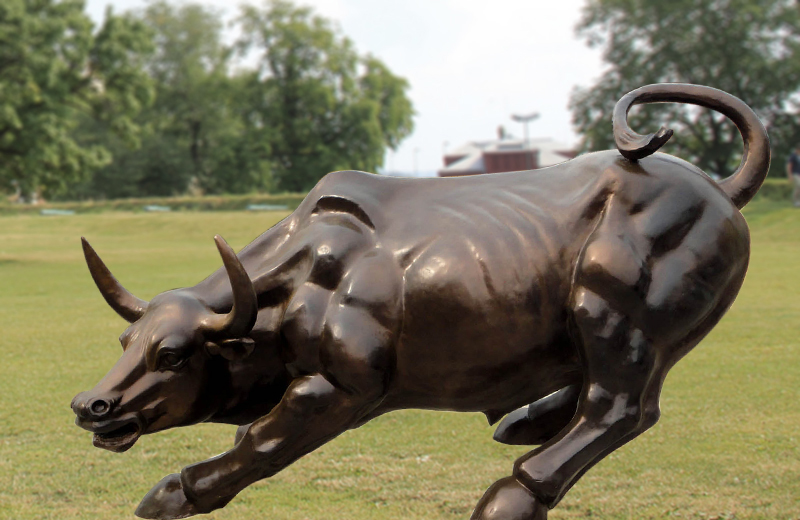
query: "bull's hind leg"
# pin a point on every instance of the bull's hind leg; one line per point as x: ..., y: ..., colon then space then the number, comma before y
x: 621, y: 369
x: 631, y: 321
x: 619, y: 364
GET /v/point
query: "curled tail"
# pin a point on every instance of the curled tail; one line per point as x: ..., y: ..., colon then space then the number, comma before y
x: 748, y: 177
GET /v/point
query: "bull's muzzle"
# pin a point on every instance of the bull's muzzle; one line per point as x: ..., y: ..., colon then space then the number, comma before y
x: 92, y: 408
x: 112, y: 431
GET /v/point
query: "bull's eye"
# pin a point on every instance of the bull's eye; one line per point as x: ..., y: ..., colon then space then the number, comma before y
x: 170, y: 361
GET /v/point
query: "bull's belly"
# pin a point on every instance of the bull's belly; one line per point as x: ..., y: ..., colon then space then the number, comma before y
x: 483, y: 329
x: 471, y: 364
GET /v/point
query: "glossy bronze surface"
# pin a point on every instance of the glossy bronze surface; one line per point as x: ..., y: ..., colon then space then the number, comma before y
x: 556, y: 298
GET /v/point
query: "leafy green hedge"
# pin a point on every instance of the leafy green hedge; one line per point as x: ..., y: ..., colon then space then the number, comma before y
x: 773, y: 189
x: 204, y: 203
x: 776, y: 189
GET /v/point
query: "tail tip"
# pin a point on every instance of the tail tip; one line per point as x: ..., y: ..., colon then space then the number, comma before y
x: 635, y: 147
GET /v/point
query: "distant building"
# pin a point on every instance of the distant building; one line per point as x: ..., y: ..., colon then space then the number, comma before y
x: 504, y: 155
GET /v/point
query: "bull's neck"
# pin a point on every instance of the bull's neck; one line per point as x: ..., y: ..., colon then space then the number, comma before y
x: 274, y: 264
x: 253, y: 386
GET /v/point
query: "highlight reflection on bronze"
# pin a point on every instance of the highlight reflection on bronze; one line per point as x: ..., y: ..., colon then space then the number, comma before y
x: 557, y: 298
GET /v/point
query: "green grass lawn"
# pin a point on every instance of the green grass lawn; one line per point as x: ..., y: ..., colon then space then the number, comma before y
x: 727, y: 446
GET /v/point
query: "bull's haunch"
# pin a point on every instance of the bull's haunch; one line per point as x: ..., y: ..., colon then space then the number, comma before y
x: 558, y: 298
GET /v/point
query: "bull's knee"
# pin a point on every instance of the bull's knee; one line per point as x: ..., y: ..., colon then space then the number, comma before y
x: 649, y: 418
x: 652, y: 408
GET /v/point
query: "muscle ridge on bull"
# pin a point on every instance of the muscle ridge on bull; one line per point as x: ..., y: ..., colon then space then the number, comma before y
x: 558, y: 298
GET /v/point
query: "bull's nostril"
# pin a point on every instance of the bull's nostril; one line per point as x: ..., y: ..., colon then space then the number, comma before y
x: 100, y: 407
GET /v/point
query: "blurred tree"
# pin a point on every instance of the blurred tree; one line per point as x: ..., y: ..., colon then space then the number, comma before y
x: 311, y: 105
x: 53, y: 71
x: 198, y: 101
x: 194, y: 134
x: 319, y: 104
x: 159, y: 167
x: 749, y: 48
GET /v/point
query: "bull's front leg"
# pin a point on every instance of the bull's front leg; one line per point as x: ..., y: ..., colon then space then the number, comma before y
x: 312, y: 412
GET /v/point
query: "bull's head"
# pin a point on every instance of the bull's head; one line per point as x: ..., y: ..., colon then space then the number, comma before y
x: 173, y: 365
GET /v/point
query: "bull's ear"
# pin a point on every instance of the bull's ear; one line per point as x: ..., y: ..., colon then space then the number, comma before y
x: 231, y: 349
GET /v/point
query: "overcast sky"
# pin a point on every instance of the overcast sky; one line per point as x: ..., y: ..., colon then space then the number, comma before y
x: 470, y: 63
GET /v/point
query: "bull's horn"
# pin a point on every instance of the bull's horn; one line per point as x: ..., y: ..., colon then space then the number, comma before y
x: 242, y: 317
x: 127, y: 305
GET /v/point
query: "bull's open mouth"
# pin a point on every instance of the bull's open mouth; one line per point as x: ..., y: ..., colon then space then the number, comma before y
x: 118, y: 440
x: 117, y: 436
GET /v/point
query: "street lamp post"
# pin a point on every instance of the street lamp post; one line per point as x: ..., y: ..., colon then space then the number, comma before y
x: 525, y: 119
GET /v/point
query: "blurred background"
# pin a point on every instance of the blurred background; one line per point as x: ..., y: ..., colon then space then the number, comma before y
x: 134, y: 98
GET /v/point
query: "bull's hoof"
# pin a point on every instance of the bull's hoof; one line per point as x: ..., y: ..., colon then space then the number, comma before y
x: 166, y: 501
x: 540, y: 421
x: 518, y: 429
x: 507, y: 499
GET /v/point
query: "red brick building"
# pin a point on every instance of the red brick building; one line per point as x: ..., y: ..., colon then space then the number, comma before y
x: 506, y: 155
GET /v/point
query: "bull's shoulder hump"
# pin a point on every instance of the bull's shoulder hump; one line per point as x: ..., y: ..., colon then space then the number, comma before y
x: 337, y: 204
x: 351, y: 182
x: 362, y: 195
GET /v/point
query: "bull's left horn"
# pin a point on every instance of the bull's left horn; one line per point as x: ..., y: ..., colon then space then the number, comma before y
x: 124, y: 303
x: 242, y: 317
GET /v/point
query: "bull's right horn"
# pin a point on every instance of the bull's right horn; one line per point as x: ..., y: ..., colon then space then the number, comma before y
x: 124, y: 303
x: 240, y: 320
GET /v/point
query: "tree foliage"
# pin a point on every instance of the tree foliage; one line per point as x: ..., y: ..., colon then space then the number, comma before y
x: 55, y: 71
x: 193, y: 132
x: 320, y: 105
x: 199, y: 103
x: 298, y: 103
x: 749, y: 48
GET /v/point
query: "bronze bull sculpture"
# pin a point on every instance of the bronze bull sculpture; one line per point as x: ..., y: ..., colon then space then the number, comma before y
x: 559, y: 298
